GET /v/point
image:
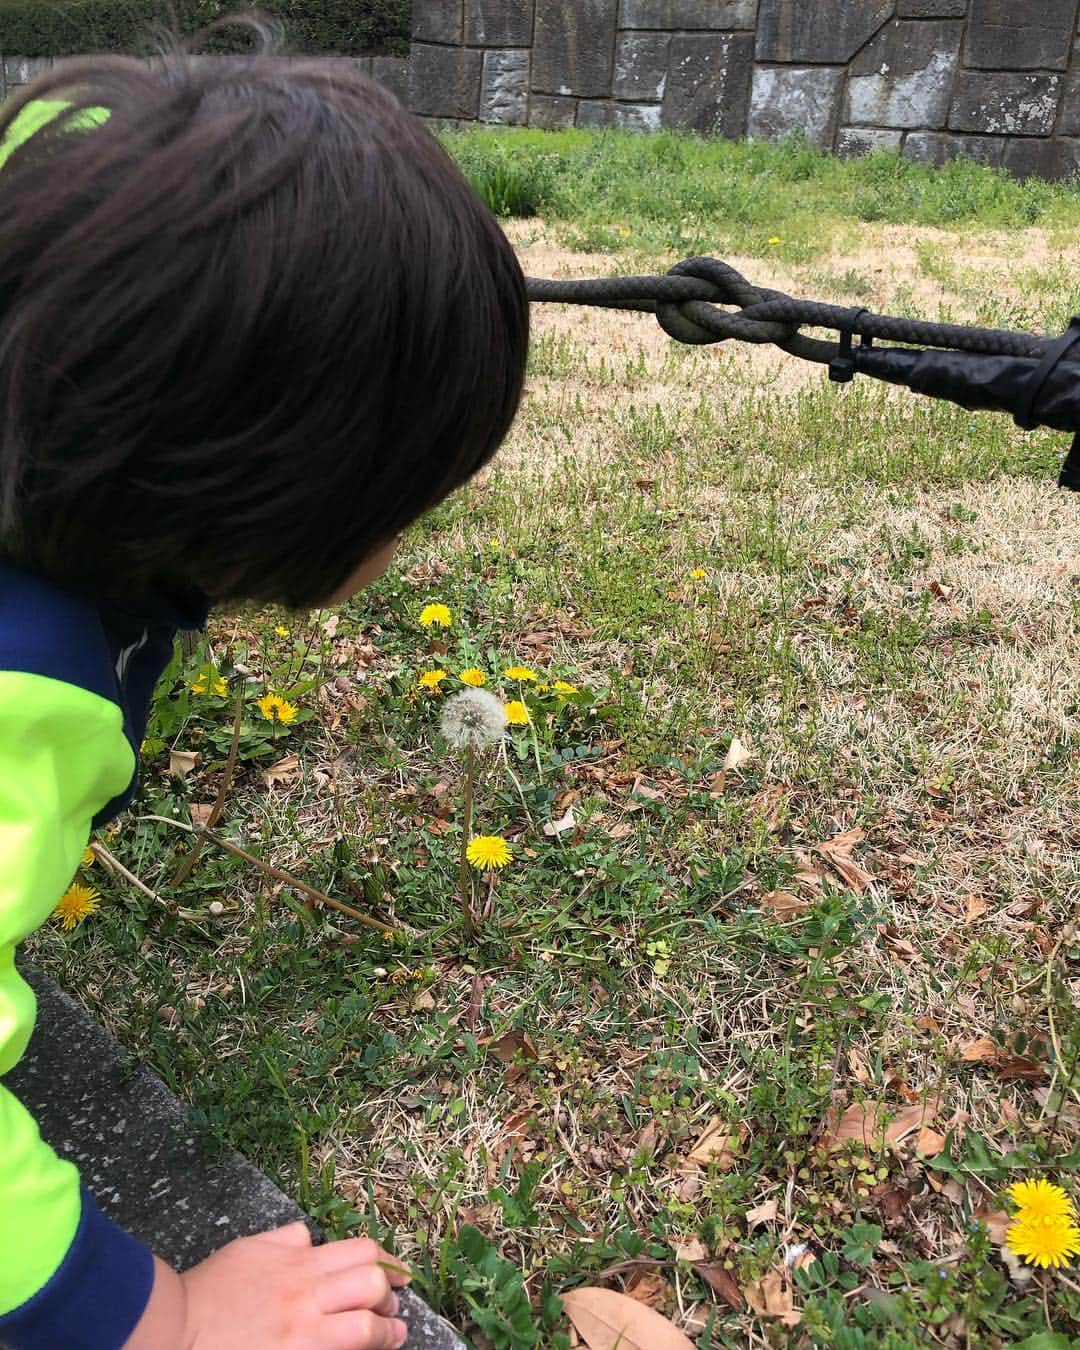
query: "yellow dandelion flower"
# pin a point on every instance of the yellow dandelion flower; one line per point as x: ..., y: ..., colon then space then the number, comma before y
x: 431, y: 679
x: 276, y: 709
x: 281, y: 630
x: 520, y: 673
x: 399, y: 976
x: 89, y: 857
x: 1044, y: 1242
x: 202, y: 685
x: 774, y: 238
x: 1041, y: 1201
x: 698, y: 574
x: 76, y: 903
x: 435, y: 616
x: 472, y: 676
x: 488, y: 852
x: 516, y: 713
x: 564, y: 687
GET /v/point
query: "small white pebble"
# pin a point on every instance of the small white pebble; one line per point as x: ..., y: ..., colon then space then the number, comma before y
x: 215, y: 907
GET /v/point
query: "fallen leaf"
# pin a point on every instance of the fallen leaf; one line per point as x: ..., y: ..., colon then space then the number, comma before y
x: 648, y: 1287
x: 982, y: 1051
x: 718, y: 1145
x: 894, y: 1200
x: 201, y: 812
x: 721, y: 1282
x: 865, y: 1123
x: 764, y: 1213
x: 771, y: 1296
x: 423, y: 1002
x: 1017, y: 1067
x: 928, y: 1024
x: 974, y: 907
x: 929, y: 1143
x: 621, y: 830
x: 995, y: 1221
x: 736, y: 755
x: 330, y: 626
x: 553, y: 828
x: 506, y: 1048
x: 605, y: 1320
x: 837, y: 853
x: 782, y: 904
x: 182, y: 762
x: 285, y: 771
x: 690, y: 1251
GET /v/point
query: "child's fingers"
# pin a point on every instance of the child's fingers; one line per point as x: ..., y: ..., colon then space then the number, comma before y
x: 355, y: 1329
x: 291, y: 1235
x: 348, y: 1252
x: 359, y: 1287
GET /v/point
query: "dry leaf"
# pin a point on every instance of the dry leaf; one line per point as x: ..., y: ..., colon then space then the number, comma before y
x: 648, y: 1287
x: 771, y: 1296
x: 763, y: 1213
x: 929, y: 1143
x: 982, y: 1051
x: 201, y: 812
x: 721, y: 1282
x: 1014, y: 1066
x: 996, y: 1221
x: 782, y: 904
x: 691, y: 1251
x: 182, y: 762
x: 330, y: 626
x: 553, y: 828
x: 718, y: 1145
x: 864, y: 1123
x: 736, y: 755
x: 837, y: 853
x: 506, y: 1048
x: 605, y: 1320
x: 974, y: 907
x: 285, y: 771
x: 928, y: 1024
x: 423, y: 1002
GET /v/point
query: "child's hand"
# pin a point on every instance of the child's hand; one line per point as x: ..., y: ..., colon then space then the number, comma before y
x: 276, y: 1291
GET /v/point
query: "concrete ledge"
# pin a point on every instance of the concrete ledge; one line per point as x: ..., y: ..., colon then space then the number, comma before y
x: 131, y: 1140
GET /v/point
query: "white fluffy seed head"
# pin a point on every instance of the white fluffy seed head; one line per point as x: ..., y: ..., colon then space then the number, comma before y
x: 473, y: 720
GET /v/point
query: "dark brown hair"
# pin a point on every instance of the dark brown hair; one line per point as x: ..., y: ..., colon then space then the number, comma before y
x: 251, y: 326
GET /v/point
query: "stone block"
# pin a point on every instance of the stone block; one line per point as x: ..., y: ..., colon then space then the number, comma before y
x: 701, y: 14
x: 641, y: 63
x: 141, y: 1157
x: 595, y: 113
x: 904, y: 77
x: 1070, y: 112
x: 444, y: 81
x: 504, y: 86
x: 572, y: 47
x: 637, y: 116
x: 826, y: 31
x: 931, y: 9
x: 436, y: 21
x: 938, y: 147
x: 25, y: 69
x: 708, y: 88
x: 1055, y: 159
x: 1003, y: 34
x: 393, y: 72
x: 1002, y: 103
x: 498, y: 23
x: 552, y: 112
x: 795, y: 98
x: 853, y: 141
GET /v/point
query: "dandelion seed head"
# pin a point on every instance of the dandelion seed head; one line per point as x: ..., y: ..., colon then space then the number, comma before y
x: 473, y: 720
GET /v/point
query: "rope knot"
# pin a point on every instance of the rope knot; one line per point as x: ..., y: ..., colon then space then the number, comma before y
x: 698, y: 318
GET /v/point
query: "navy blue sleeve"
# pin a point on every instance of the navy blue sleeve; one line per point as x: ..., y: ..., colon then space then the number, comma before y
x: 94, y: 1300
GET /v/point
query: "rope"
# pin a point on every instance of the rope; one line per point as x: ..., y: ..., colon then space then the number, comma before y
x: 688, y: 301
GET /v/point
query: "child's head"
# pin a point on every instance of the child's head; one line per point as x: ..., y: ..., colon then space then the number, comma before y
x: 252, y: 324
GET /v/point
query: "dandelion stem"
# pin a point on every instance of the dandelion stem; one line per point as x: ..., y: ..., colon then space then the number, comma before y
x: 464, y: 879
x: 187, y: 864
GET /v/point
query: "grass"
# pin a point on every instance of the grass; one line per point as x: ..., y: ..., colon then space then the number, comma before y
x: 614, y: 190
x: 671, y: 994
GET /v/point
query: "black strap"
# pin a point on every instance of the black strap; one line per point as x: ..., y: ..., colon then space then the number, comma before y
x: 842, y: 366
x: 1070, y: 470
x: 1025, y: 417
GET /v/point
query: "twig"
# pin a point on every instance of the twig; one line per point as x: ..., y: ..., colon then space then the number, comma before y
x: 464, y: 879
x: 217, y: 810
x: 114, y: 865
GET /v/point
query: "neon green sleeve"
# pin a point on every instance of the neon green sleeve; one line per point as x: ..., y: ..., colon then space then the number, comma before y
x: 63, y: 755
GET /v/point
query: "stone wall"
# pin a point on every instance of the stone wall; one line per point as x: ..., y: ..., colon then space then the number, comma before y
x: 995, y: 79
x: 998, y: 80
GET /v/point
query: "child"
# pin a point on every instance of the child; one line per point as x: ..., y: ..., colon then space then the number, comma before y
x: 252, y: 324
